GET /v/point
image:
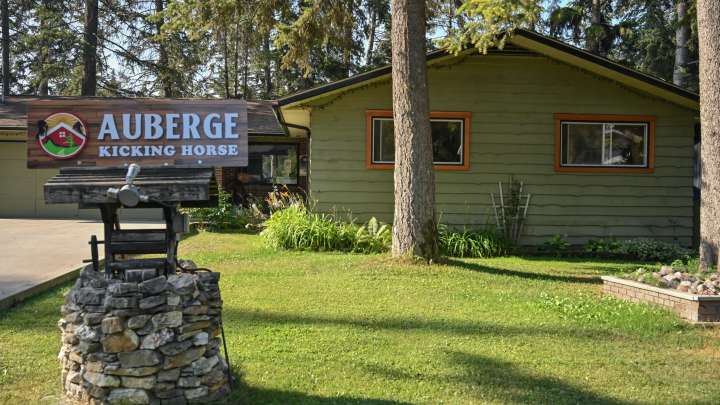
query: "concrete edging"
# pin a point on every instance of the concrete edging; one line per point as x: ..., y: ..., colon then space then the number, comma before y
x: 20, y: 296
x: 666, y: 291
x: 703, y: 309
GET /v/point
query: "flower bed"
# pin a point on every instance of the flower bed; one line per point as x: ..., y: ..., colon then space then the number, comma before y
x: 679, y: 279
x: 693, y: 307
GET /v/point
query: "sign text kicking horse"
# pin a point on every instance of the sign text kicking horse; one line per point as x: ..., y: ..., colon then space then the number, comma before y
x: 152, y: 132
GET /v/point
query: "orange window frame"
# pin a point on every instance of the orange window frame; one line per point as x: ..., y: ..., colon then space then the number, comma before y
x: 600, y: 118
x: 465, y: 116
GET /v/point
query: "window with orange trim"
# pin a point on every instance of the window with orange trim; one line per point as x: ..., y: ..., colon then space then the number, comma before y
x: 450, y: 133
x: 604, y: 143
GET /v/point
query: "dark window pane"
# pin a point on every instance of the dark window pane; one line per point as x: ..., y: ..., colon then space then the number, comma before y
x: 603, y: 144
x: 388, y: 141
x: 447, y: 138
x: 271, y: 164
x: 376, y: 142
x: 583, y: 143
x: 626, y: 144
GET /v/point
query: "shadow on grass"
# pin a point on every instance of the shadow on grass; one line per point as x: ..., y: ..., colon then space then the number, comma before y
x: 498, y: 381
x: 243, y: 393
x: 522, y: 274
x: 519, y: 386
x: 234, y: 316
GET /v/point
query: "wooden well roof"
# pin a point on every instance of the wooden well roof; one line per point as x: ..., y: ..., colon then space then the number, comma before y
x: 88, y: 186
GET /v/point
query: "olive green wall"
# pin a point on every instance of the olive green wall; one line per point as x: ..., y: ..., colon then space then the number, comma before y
x: 512, y: 100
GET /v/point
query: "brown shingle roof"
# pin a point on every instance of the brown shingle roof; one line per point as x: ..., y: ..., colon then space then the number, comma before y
x: 261, y: 117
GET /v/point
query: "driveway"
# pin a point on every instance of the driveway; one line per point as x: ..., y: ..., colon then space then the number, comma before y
x: 36, y: 251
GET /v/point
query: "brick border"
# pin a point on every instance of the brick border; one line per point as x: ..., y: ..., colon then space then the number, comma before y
x: 696, y: 308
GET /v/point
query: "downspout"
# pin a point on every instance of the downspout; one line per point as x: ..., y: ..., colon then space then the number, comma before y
x: 286, y: 125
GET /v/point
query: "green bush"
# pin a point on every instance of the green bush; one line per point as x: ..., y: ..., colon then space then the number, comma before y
x: 373, y: 237
x: 603, y: 246
x: 652, y: 250
x: 297, y: 228
x: 221, y: 218
x: 467, y: 243
x: 556, y: 246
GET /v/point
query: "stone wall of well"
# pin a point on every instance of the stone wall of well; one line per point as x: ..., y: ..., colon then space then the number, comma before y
x: 150, y: 342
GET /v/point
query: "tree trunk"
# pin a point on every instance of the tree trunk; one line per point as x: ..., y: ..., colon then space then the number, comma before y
x: 709, y: 41
x: 43, y: 88
x: 226, y: 72
x: 163, y: 69
x: 246, y: 57
x: 5, y: 47
x: 90, y: 41
x: 236, y: 60
x: 348, y: 40
x: 267, y: 68
x: 593, y: 42
x: 682, y: 36
x: 414, y: 226
x: 371, y: 35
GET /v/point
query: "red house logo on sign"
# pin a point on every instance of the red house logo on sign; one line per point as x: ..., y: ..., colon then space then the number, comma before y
x: 62, y: 135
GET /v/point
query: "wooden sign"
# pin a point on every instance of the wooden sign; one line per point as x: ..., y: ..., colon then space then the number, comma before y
x: 151, y: 132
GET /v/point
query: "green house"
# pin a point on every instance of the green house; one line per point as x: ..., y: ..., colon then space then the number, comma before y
x: 603, y: 150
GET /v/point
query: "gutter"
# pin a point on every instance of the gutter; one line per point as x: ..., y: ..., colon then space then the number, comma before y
x: 286, y: 125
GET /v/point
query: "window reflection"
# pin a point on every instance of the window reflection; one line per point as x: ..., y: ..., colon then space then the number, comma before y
x: 271, y: 164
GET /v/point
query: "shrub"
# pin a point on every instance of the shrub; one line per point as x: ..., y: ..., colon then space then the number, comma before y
x: 556, y: 246
x: 603, y: 246
x: 221, y: 218
x: 467, y: 243
x: 297, y: 228
x: 654, y: 250
x: 373, y: 237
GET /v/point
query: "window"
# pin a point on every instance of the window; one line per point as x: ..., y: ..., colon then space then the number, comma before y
x: 450, y: 138
x: 271, y: 164
x: 604, y: 143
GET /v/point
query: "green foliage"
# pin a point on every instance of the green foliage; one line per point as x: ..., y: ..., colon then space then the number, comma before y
x: 603, y: 246
x: 283, y: 198
x: 652, y: 250
x: 373, y: 237
x: 221, y: 218
x: 489, y: 23
x: 556, y: 246
x: 486, y: 243
x: 298, y: 228
x: 591, y: 311
x: 405, y: 327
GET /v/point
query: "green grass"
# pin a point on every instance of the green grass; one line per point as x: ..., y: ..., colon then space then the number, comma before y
x: 326, y: 328
x: 59, y: 150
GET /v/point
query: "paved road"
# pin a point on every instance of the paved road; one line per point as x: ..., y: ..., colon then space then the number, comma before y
x: 37, y: 250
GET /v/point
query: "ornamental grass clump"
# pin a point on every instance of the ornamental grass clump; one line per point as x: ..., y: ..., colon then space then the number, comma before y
x: 297, y: 228
x: 485, y: 243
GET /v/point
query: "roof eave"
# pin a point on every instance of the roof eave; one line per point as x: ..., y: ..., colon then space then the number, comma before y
x: 541, y: 44
x: 560, y: 51
x: 352, y: 82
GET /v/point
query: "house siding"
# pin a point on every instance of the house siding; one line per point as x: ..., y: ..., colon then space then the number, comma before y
x: 512, y: 100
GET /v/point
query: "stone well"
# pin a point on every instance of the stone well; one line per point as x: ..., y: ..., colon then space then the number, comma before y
x: 150, y: 342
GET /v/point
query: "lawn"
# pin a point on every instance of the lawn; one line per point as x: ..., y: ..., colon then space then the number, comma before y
x: 326, y: 328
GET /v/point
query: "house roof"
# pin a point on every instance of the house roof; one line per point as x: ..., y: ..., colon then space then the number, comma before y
x: 538, y: 43
x: 261, y: 116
